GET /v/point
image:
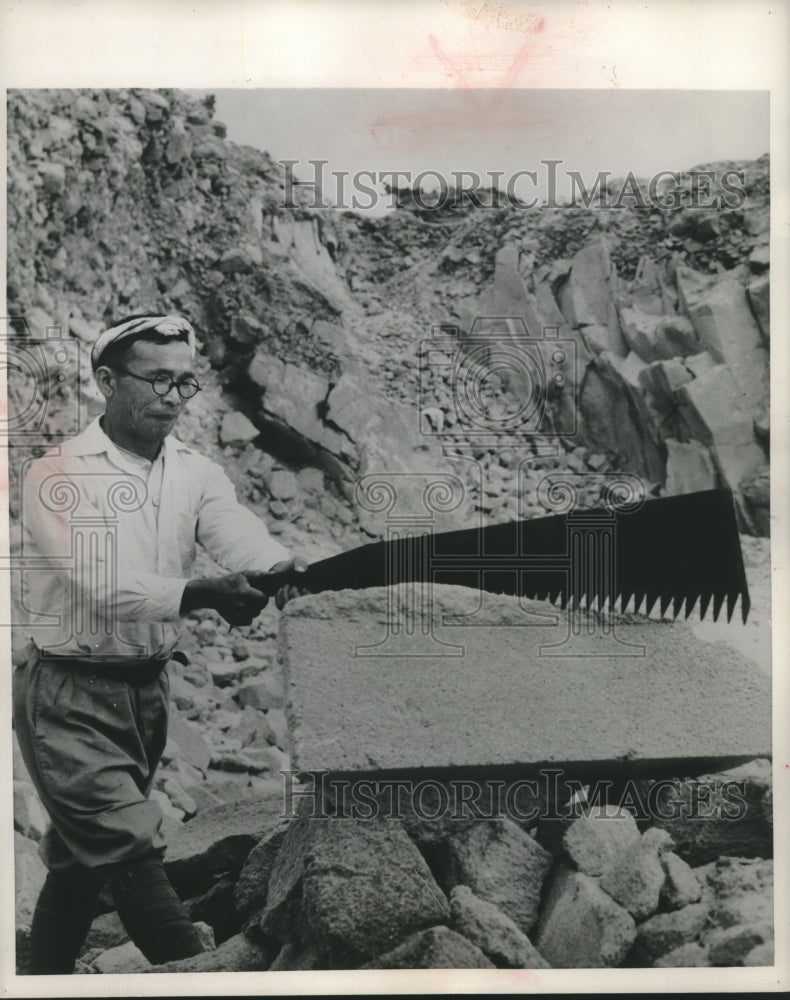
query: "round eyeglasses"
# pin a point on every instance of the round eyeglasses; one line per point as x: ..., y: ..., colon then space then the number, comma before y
x: 162, y: 384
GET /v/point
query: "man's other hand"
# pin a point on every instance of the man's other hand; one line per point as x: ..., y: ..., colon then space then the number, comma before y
x: 289, y: 591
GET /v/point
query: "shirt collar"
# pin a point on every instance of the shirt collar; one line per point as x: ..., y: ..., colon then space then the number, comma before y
x: 93, y: 441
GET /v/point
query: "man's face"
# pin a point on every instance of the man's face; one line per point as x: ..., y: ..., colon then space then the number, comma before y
x: 135, y: 404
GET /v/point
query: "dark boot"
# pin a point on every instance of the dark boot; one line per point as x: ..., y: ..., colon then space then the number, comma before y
x: 153, y: 915
x: 62, y: 918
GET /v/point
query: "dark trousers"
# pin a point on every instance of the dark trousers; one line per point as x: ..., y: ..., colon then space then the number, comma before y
x: 92, y: 742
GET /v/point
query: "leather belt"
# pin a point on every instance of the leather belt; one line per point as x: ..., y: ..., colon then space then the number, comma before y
x: 138, y: 673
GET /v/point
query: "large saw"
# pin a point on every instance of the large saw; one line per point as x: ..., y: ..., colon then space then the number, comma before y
x: 676, y: 551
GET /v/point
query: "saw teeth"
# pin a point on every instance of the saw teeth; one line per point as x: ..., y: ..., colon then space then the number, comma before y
x: 704, y: 601
x: 677, y: 605
x: 718, y: 600
x: 691, y: 601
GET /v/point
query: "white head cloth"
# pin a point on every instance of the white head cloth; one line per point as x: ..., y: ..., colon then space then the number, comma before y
x: 170, y: 326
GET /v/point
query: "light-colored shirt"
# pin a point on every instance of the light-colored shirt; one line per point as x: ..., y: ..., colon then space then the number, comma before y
x: 109, y: 543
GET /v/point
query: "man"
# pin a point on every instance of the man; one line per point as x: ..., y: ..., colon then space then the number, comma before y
x: 114, y: 515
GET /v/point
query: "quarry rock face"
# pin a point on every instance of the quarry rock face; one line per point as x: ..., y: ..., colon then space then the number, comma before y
x: 319, y: 367
x: 315, y: 317
x: 684, y: 698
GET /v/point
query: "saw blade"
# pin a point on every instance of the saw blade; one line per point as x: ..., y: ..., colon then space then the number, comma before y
x: 675, y: 551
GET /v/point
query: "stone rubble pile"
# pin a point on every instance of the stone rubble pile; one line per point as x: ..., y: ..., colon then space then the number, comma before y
x: 330, y: 893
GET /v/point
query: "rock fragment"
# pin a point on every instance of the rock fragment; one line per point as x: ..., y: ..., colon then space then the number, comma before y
x: 352, y: 888
x: 581, y: 926
x: 494, y: 933
x: 597, y: 841
x: 435, y: 948
x: 636, y: 879
x: 664, y: 932
x: 502, y: 865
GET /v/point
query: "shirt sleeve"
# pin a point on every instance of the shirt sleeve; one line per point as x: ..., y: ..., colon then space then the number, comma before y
x: 95, y: 561
x: 231, y: 534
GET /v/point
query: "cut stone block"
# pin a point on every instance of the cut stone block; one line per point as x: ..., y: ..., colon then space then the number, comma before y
x: 581, y: 927
x: 684, y: 698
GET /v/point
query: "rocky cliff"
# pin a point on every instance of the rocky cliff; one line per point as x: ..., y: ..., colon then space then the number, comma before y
x: 334, y: 346
x: 316, y: 326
